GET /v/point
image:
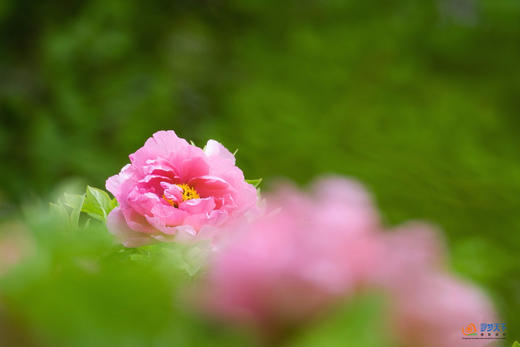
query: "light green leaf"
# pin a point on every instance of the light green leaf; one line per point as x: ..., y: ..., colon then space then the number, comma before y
x: 255, y: 182
x: 189, y: 258
x: 75, y: 202
x: 60, y: 210
x: 516, y: 344
x: 98, y: 203
x: 194, y: 258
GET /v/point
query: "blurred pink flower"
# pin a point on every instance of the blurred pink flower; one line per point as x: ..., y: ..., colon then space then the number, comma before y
x: 172, y: 190
x: 410, y: 251
x: 305, y: 252
x: 15, y: 245
x: 309, y: 251
x: 437, y: 310
x: 427, y: 306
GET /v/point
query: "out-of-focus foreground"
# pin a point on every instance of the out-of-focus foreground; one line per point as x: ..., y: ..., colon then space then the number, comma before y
x: 416, y: 99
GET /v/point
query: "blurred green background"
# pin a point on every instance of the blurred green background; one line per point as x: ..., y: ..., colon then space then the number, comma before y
x: 419, y: 100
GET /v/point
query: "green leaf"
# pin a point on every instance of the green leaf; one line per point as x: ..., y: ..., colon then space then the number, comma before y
x: 516, y: 344
x: 255, y: 182
x: 98, y: 203
x: 353, y: 323
x: 75, y: 202
x: 59, y: 210
x: 68, y: 208
x: 189, y: 258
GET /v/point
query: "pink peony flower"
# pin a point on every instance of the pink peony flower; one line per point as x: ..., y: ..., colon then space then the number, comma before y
x: 293, y: 262
x: 437, y: 310
x: 172, y: 190
x: 409, y: 251
x: 427, y: 306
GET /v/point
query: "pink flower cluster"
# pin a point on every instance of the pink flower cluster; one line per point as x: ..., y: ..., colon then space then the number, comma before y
x: 428, y: 306
x: 310, y: 251
x: 300, y: 255
x: 296, y: 260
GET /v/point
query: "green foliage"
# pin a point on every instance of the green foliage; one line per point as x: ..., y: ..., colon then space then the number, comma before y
x: 97, y: 203
x: 68, y: 208
x: 417, y: 99
x: 359, y: 322
x: 255, y: 182
x: 77, y: 288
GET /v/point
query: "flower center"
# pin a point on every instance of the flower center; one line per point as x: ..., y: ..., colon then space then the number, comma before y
x: 188, y: 193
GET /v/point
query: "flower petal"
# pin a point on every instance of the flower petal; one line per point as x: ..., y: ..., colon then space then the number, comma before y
x: 172, y: 192
x: 210, y: 186
x: 216, y: 149
x: 117, y: 225
x: 197, y: 206
x: 113, y: 184
x: 193, y: 167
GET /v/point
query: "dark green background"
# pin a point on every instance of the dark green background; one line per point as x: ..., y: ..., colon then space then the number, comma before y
x: 419, y: 100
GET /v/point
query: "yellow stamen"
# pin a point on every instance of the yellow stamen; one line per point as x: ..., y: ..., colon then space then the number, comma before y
x: 188, y: 193
x: 170, y: 201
